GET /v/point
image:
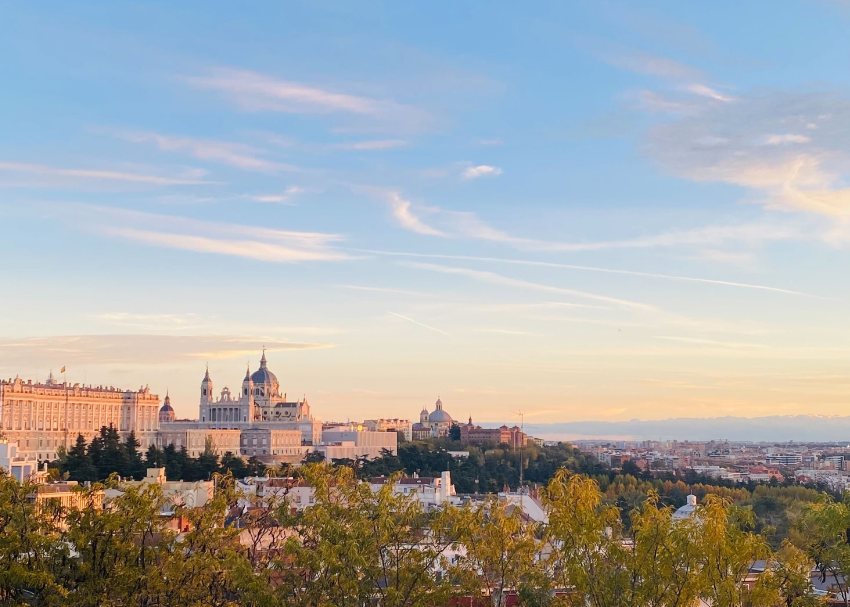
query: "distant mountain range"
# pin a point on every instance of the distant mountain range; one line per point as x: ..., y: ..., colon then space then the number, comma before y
x: 775, y: 428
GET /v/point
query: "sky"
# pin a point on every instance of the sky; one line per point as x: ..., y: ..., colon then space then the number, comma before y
x: 575, y: 210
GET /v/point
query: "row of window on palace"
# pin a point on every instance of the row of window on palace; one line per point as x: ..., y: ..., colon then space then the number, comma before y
x: 197, y: 442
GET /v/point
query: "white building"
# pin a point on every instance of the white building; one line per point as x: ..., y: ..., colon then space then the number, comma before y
x: 18, y: 467
x: 177, y: 493
x: 686, y: 511
x: 431, y: 491
x: 272, y: 491
x: 391, y: 425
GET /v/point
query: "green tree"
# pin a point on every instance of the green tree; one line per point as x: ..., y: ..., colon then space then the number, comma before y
x: 500, y: 552
x: 31, y: 553
x: 359, y: 547
x: 825, y: 536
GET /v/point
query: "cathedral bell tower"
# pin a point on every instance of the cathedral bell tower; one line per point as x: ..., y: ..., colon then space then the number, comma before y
x: 246, y: 397
x: 206, y: 396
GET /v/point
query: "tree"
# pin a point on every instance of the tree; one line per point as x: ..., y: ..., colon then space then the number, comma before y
x: 313, y: 457
x: 362, y: 547
x: 586, y: 555
x: 729, y: 550
x: 31, y: 553
x: 825, y: 532
x: 500, y: 551
x: 78, y: 464
x: 454, y: 432
x: 154, y: 457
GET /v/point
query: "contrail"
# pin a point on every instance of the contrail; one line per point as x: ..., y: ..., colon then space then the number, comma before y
x: 416, y: 322
x: 549, y: 264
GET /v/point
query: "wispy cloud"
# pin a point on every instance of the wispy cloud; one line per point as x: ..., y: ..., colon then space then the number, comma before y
x: 250, y: 249
x: 99, y: 174
x: 416, y: 322
x: 707, y: 91
x: 404, y: 216
x: 507, y: 332
x: 493, y: 278
x: 182, y: 233
x: 465, y: 224
x: 481, y: 170
x: 75, y: 350
x: 789, y: 148
x: 373, y: 145
x: 237, y: 155
x: 786, y: 138
x: 159, y: 322
x: 389, y: 290
x: 711, y: 342
x: 647, y: 64
x: 284, y: 198
x: 256, y: 92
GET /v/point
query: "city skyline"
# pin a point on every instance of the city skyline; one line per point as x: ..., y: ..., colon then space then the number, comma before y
x: 585, y: 212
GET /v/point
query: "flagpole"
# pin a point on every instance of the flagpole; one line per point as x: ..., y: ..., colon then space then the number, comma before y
x: 65, y: 381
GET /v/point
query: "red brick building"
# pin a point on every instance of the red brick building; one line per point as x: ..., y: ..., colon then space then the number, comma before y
x: 476, y: 435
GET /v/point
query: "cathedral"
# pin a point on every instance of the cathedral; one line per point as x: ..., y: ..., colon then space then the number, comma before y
x: 259, y: 400
x: 255, y: 421
x: 433, y: 425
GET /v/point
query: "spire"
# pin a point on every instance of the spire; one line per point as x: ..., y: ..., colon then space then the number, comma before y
x: 263, y: 359
x: 207, y: 373
x: 248, y: 371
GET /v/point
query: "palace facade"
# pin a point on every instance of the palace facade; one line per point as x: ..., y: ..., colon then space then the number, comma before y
x: 41, y: 417
x: 257, y: 420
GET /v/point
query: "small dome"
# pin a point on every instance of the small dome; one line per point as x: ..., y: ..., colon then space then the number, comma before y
x: 687, y: 510
x: 207, y: 379
x: 166, y: 412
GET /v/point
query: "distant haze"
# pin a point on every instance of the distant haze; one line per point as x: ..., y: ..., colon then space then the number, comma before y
x: 779, y: 428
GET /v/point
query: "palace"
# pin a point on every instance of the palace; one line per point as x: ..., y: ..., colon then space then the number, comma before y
x: 258, y: 421
x: 41, y: 417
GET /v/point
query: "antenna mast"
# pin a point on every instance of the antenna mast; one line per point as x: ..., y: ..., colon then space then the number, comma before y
x: 521, y: 446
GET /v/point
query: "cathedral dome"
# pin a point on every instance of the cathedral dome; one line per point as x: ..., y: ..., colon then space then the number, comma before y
x: 263, y: 375
x: 440, y: 416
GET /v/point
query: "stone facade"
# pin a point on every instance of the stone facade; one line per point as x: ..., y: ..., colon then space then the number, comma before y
x: 258, y: 421
x: 41, y: 417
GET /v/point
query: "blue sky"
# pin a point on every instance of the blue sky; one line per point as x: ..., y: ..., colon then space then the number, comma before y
x: 585, y: 210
